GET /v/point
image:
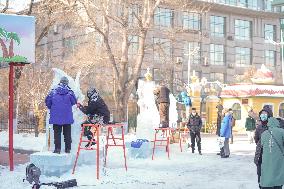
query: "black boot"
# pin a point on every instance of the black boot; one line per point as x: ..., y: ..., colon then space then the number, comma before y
x: 200, y: 153
x: 56, y: 151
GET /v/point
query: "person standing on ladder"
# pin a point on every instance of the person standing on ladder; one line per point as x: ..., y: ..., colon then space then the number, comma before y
x: 162, y: 100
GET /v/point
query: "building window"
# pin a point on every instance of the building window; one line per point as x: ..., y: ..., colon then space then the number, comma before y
x: 69, y: 45
x: 282, y: 23
x: 217, y: 76
x: 162, y: 50
x: 281, y: 110
x: 134, y: 12
x: 157, y: 74
x: 194, y: 51
x: 243, y: 56
x: 231, y: 2
x: 216, y: 54
x: 251, y: 4
x: 269, y: 32
x: 133, y: 47
x: 268, y: 5
x: 243, y: 29
x: 163, y: 17
x: 270, y: 58
x: 191, y: 21
x: 237, y: 111
x: 217, y: 26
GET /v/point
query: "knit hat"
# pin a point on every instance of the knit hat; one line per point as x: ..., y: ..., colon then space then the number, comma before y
x: 267, y: 109
x: 64, y: 80
x: 91, y: 91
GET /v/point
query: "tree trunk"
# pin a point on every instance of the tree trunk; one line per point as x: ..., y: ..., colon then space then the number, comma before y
x: 4, y: 48
x: 121, y: 106
x: 11, y: 48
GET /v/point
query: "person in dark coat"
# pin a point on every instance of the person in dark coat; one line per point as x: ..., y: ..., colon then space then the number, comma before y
x: 60, y: 101
x: 219, y: 118
x: 96, y: 110
x: 261, y: 126
x: 250, y: 127
x: 233, y: 123
x: 162, y: 98
x: 194, y: 125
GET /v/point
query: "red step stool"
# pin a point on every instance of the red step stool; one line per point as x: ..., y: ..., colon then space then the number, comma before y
x: 95, y: 128
x: 167, y: 132
x: 110, y: 137
x: 183, y: 135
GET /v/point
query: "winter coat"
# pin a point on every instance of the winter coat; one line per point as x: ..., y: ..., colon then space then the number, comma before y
x: 226, y: 126
x: 60, y: 101
x: 272, y: 167
x: 219, y: 122
x: 96, y: 106
x: 261, y: 126
x: 163, y: 95
x: 194, y: 123
x: 250, y: 124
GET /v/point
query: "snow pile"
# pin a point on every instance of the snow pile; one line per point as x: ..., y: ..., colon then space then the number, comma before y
x: 24, y: 141
x: 183, y: 170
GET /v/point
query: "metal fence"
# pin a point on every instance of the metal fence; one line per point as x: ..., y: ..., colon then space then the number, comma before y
x: 26, y: 121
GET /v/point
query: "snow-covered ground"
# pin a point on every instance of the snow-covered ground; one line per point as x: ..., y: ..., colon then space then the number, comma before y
x: 183, y: 170
x: 24, y: 141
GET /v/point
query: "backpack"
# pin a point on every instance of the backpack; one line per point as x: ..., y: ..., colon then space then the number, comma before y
x: 32, y: 174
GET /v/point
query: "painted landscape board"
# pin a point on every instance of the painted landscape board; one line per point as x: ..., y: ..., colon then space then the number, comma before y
x: 17, y: 39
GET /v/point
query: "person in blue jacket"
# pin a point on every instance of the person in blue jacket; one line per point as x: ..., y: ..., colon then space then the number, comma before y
x: 60, y: 101
x: 225, y: 131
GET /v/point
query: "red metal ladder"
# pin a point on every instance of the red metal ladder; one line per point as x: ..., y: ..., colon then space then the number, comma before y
x: 95, y: 128
x: 110, y: 137
x: 166, y: 134
x: 183, y: 134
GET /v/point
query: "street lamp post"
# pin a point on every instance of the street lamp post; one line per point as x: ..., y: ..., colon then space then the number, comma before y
x: 282, y: 54
x: 188, y: 65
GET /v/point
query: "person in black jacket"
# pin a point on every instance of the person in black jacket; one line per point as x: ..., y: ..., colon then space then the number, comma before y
x: 162, y: 98
x: 264, y: 115
x: 97, y: 112
x: 194, y: 125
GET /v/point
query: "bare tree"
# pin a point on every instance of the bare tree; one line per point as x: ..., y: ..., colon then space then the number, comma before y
x: 116, y: 22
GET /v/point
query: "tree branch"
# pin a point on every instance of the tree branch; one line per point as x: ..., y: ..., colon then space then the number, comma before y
x: 6, y: 7
x: 30, y: 7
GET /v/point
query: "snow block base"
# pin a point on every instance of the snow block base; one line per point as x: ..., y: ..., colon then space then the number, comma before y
x: 143, y: 152
x: 52, y: 164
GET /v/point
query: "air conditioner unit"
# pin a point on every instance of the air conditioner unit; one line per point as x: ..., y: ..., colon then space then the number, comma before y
x: 179, y: 60
x: 55, y: 29
x: 231, y: 38
x: 231, y: 65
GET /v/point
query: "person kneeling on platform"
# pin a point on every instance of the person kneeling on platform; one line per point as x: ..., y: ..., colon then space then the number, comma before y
x: 97, y: 112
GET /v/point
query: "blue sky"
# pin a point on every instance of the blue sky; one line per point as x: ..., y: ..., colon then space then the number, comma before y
x: 24, y: 26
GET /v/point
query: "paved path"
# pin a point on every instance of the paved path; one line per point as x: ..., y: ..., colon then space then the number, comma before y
x: 18, y: 158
